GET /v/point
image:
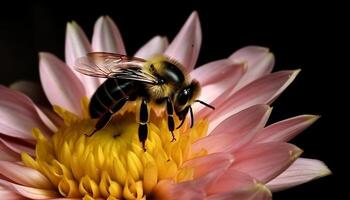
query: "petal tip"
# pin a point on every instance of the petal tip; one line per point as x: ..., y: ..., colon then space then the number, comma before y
x: 313, y: 118
x: 295, y: 153
x: 261, y: 187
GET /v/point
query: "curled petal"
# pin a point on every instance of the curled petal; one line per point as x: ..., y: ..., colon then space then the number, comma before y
x: 265, y: 161
x: 29, y: 192
x: 262, y: 91
x: 61, y: 86
x: 156, y: 45
x: 259, y: 63
x: 228, y: 137
x: 185, y: 47
x: 24, y: 175
x: 19, y: 115
x: 285, y: 130
x: 301, y: 171
x: 106, y: 37
x: 77, y: 45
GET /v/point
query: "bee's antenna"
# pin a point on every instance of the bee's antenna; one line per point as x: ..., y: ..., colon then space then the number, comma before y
x: 207, y: 105
x: 192, y: 118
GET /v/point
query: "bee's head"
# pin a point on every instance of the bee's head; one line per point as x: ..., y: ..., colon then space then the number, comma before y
x: 184, y: 98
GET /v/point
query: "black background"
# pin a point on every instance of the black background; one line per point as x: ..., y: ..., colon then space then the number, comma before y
x: 301, y: 36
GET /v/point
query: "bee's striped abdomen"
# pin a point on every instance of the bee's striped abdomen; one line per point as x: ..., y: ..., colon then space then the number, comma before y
x: 108, y: 94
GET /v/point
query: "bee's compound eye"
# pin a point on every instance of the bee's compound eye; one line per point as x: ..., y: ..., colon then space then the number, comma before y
x: 183, y: 96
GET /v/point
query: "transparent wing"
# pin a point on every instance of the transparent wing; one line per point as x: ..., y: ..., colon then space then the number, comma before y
x: 110, y: 65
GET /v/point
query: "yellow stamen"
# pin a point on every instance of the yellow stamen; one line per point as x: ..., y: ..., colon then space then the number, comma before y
x: 112, y: 164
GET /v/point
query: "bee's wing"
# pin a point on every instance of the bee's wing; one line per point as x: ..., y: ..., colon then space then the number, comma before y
x: 105, y: 65
x: 110, y: 65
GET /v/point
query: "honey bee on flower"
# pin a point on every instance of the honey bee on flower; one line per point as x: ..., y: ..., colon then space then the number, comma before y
x: 229, y: 153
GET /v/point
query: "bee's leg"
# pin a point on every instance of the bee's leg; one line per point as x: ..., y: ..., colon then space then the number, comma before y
x: 143, y: 127
x: 170, y: 112
x: 102, y: 122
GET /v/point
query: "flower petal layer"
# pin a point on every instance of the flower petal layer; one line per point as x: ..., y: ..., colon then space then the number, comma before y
x: 17, y: 146
x: 29, y: 192
x: 185, y: 46
x: 230, y: 181
x: 154, y: 46
x: 265, y: 161
x: 285, y: 130
x: 61, y: 86
x: 217, y: 79
x: 7, y: 154
x: 259, y: 61
x: 256, y: 192
x: 9, y: 194
x: 18, y: 115
x: 227, y: 137
x: 301, y: 171
x: 262, y: 91
x: 24, y: 175
x: 32, y: 90
x: 77, y: 45
x: 205, y: 164
x: 106, y: 37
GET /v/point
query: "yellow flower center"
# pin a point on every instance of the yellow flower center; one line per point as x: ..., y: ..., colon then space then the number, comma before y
x: 112, y: 164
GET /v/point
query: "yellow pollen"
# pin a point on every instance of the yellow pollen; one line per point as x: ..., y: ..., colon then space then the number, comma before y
x: 112, y: 164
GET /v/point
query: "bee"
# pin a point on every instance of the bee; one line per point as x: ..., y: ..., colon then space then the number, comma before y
x: 159, y: 80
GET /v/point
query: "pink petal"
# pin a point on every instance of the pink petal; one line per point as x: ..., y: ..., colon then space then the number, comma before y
x: 8, y: 154
x: 156, y: 45
x: 24, y: 175
x: 301, y: 171
x: 168, y: 190
x: 18, y: 115
x: 259, y: 60
x: 203, y: 165
x: 265, y: 161
x: 197, y: 188
x: 256, y: 192
x: 285, y: 130
x: 32, y: 90
x: 262, y: 91
x: 251, y: 118
x: 10, y: 195
x: 235, y: 131
x: 217, y: 79
x: 29, y: 192
x: 186, y: 45
x: 17, y: 146
x: 233, y: 184
x: 77, y: 45
x: 35, y: 92
x: 61, y: 86
x: 106, y: 37
x: 230, y: 181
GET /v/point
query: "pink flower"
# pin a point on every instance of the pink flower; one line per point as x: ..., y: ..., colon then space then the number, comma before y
x: 230, y: 153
